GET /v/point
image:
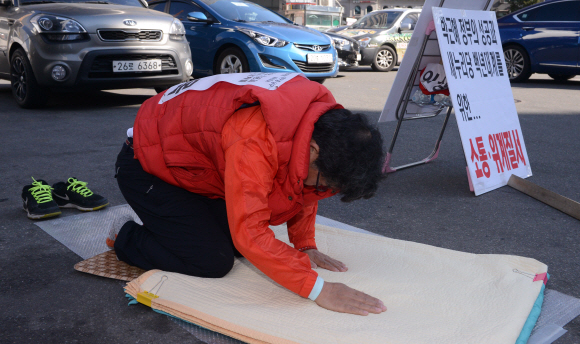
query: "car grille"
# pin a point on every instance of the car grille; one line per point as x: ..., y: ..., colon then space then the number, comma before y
x: 102, y: 66
x: 315, y: 67
x: 311, y: 47
x: 129, y: 35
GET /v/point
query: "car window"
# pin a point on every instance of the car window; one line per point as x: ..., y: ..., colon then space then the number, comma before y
x: 180, y: 9
x: 560, y: 11
x: 382, y: 20
x: 412, y: 19
x: 244, y: 11
x: 104, y: 2
x: 319, y: 20
x: 157, y: 5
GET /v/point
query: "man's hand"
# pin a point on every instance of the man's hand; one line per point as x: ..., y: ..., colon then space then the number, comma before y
x: 320, y: 259
x: 341, y: 298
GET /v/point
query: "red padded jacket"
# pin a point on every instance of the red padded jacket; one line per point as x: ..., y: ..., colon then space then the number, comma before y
x: 255, y: 158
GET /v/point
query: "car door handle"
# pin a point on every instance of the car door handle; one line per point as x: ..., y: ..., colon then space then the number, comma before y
x: 527, y: 28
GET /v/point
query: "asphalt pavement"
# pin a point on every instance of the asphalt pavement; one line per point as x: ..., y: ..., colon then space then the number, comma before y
x: 43, y: 300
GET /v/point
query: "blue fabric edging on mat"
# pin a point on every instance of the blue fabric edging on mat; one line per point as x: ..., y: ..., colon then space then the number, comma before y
x: 133, y: 301
x: 532, y: 318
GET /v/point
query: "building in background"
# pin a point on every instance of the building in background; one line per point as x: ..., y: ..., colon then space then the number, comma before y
x: 358, y: 8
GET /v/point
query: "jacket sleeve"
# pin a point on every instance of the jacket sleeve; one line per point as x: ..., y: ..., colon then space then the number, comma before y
x: 301, y: 227
x: 251, y: 164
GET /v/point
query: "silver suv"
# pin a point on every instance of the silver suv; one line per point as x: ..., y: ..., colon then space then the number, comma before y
x: 77, y: 44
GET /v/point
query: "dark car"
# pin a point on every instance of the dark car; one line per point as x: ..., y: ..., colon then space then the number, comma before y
x: 543, y: 38
x: 383, y: 36
x: 347, y: 49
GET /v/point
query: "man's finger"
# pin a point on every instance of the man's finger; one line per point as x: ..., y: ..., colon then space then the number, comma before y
x: 313, y: 264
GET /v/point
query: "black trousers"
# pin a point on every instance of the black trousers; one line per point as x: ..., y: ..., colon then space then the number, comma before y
x: 182, y: 232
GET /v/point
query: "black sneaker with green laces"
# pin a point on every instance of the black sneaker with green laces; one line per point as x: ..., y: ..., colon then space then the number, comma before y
x: 75, y: 194
x: 37, y: 201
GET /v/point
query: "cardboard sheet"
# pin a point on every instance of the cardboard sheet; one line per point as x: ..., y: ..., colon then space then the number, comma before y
x: 433, y: 295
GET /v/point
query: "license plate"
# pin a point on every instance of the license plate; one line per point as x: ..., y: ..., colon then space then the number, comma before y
x: 137, y: 66
x: 358, y: 57
x: 320, y: 58
x: 402, y: 45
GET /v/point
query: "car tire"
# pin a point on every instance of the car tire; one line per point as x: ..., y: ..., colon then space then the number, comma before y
x: 518, y: 64
x: 231, y: 60
x: 160, y: 89
x: 320, y: 81
x: 561, y: 77
x: 385, y: 59
x: 26, y: 91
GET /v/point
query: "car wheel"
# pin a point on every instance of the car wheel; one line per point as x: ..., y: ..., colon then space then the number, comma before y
x: 160, y: 89
x: 561, y: 77
x: 320, y: 81
x: 384, y: 60
x: 26, y: 91
x: 517, y: 63
x: 231, y: 60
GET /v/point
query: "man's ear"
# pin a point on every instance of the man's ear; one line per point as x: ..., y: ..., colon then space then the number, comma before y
x: 314, y: 149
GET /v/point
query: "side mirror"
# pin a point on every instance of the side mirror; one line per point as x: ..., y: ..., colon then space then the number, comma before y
x: 197, y: 17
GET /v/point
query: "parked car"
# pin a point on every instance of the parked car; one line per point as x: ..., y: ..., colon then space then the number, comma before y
x: 75, y: 44
x: 542, y: 38
x: 236, y: 36
x: 347, y: 49
x: 383, y: 36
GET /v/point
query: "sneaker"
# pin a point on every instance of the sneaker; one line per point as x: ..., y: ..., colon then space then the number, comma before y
x: 115, y: 228
x: 75, y: 194
x: 37, y: 200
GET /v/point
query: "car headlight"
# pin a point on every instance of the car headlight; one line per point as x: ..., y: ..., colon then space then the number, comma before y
x: 264, y: 39
x: 177, y: 31
x: 340, y: 43
x: 364, y: 42
x: 59, y: 29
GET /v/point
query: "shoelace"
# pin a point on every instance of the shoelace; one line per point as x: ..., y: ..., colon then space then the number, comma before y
x: 40, y: 192
x: 79, y: 187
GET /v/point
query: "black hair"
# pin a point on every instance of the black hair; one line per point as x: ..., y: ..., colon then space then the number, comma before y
x: 350, y: 153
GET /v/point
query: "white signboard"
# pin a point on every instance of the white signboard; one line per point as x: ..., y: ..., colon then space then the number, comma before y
x: 482, y: 97
x: 430, y: 55
x: 270, y: 81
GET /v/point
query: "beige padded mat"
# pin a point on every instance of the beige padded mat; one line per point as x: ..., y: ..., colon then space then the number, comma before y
x: 107, y: 265
x: 433, y: 295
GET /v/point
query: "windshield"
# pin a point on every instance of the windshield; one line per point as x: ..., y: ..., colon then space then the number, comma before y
x: 382, y: 20
x: 104, y: 2
x: 322, y: 20
x: 243, y: 11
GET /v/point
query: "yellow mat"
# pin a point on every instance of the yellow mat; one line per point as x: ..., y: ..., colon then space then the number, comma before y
x: 433, y: 295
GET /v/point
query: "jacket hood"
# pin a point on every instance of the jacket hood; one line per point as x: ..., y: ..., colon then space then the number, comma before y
x: 102, y: 16
x: 289, y: 32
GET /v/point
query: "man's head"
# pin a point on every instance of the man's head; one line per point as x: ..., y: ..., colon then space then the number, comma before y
x: 348, y: 153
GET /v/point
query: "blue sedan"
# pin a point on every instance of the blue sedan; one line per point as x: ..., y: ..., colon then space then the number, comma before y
x: 542, y: 38
x: 237, y: 36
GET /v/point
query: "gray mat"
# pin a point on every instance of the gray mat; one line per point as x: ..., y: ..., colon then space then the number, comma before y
x: 85, y: 235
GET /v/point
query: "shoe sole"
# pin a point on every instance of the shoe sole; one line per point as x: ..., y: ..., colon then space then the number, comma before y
x: 40, y: 216
x: 71, y: 205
